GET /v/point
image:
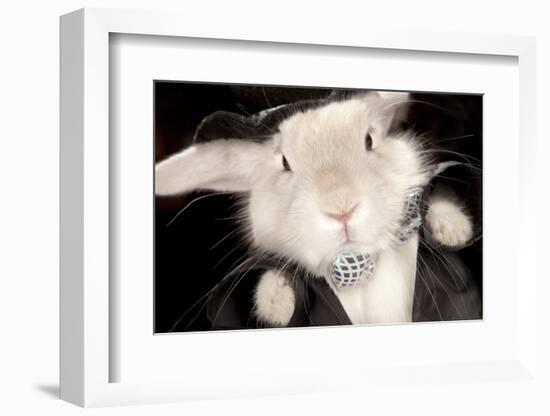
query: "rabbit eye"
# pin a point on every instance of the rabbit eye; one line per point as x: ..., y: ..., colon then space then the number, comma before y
x: 286, y: 166
x: 368, y: 141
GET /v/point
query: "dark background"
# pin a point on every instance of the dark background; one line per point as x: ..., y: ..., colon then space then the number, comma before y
x: 189, y: 257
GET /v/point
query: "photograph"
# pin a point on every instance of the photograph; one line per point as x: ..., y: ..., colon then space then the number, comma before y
x: 292, y: 206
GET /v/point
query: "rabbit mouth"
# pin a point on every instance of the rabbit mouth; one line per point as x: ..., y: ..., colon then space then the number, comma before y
x: 354, y: 264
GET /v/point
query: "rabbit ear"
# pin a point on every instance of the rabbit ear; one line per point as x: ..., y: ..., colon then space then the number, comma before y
x: 392, y: 108
x: 222, y: 165
x: 227, y: 124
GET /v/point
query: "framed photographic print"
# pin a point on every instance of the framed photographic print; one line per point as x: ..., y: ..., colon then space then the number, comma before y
x: 236, y: 209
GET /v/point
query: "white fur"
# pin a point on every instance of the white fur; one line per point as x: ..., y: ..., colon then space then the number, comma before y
x: 387, y: 297
x: 446, y: 219
x: 274, y: 299
x: 223, y: 165
x: 332, y: 171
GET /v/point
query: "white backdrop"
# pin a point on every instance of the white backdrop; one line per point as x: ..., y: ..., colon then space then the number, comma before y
x: 29, y: 205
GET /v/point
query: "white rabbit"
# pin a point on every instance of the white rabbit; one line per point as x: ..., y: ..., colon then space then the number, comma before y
x: 331, y: 178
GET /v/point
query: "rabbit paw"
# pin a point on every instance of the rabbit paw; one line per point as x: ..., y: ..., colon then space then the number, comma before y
x: 447, y: 221
x: 274, y: 299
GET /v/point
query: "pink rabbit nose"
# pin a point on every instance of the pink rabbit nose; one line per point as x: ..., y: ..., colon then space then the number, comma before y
x: 342, y: 216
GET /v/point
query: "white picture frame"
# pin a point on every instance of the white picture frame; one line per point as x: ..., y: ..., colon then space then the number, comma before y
x: 85, y: 221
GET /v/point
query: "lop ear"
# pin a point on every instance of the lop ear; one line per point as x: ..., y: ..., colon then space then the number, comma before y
x: 392, y: 107
x: 222, y: 165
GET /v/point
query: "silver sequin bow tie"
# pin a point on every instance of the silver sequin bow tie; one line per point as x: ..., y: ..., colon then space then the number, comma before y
x: 349, y: 269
